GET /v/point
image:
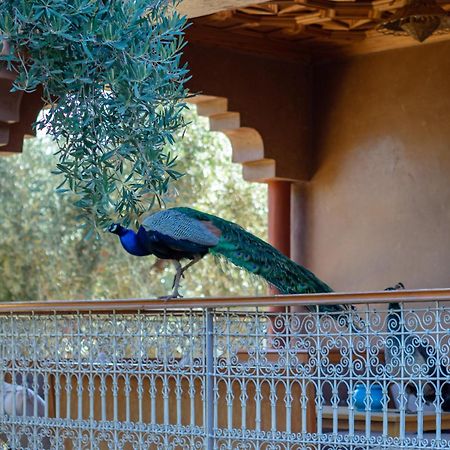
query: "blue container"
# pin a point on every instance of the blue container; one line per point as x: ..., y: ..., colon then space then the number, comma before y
x: 375, y: 397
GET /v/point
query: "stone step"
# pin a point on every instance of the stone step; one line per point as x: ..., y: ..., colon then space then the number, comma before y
x: 208, y: 105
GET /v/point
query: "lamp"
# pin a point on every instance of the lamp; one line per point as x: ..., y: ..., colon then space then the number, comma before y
x: 418, y: 18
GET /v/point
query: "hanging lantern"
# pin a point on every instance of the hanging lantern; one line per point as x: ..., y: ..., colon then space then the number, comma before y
x: 418, y: 19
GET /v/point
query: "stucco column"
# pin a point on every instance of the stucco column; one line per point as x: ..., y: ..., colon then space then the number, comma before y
x: 280, y: 215
x: 279, y: 229
x: 298, y: 240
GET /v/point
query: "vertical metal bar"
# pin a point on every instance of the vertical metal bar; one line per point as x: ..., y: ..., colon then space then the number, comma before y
x: 243, y: 399
x: 192, y: 392
x: 13, y: 366
x: 103, y: 395
x: 420, y: 393
x: 91, y: 380
x: 229, y: 380
x: 68, y: 387
x: 140, y: 390
x: 319, y: 390
x: 79, y: 368
x: 273, y: 406
x: 229, y: 400
x: 385, y: 408
x: 403, y: 398
x: 191, y: 388
x: 58, y: 373
x: 152, y: 399
x: 115, y: 376
x: 140, y: 377
x: 420, y: 403
x: 258, y: 388
x: 46, y: 334
x: 438, y: 375
x: 304, y: 404
x: 127, y: 388
x: 210, y: 405
x: 335, y: 405
x: 288, y: 388
x: 34, y: 365
x: 386, y: 377
x: 178, y: 395
x: 24, y: 392
x: 165, y: 374
x: 351, y: 370
x: 368, y: 374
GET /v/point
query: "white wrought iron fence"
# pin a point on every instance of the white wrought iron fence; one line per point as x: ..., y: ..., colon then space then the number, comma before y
x: 227, y: 374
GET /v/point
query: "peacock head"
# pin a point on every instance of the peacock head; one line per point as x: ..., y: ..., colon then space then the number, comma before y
x: 116, y: 228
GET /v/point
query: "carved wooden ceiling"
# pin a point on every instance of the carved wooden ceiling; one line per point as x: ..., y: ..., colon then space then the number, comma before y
x: 320, y: 28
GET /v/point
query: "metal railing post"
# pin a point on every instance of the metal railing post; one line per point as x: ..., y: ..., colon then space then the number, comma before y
x: 209, y: 388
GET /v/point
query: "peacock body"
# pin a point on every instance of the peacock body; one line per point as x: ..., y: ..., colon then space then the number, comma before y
x: 407, y: 357
x: 185, y: 233
x: 248, y: 252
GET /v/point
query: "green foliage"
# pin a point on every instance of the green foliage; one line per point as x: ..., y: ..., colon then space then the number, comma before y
x: 111, y: 73
x: 43, y: 254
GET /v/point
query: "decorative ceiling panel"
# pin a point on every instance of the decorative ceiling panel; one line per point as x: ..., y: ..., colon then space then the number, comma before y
x: 315, y: 26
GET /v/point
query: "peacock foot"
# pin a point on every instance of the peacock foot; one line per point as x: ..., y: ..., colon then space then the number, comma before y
x: 171, y: 296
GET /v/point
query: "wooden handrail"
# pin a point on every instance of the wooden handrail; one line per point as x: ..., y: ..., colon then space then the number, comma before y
x: 154, y: 305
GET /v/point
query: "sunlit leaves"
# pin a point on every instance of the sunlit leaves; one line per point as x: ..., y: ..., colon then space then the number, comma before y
x: 112, y: 76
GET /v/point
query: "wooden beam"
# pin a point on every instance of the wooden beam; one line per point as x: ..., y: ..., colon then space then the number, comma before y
x: 247, y: 42
x: 374, y: 42
x: 196, y: 8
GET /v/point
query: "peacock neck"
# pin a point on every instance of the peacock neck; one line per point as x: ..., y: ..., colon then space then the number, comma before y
x: 131, y: 244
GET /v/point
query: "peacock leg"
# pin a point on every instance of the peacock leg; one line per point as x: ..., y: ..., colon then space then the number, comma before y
x: 177, y: 279
x: 176, y: 282
x: 179, y: 274
x: 190, y: 263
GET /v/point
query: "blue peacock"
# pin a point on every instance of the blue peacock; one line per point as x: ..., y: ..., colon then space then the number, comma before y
x: 187, y: 234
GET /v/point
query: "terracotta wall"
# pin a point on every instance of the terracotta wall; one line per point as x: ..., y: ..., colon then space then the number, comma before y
x: 273, y: 96
x: 377, y: 209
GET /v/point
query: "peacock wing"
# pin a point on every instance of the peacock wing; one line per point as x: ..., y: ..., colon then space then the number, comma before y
x: 247, y: 251
x: 181, y: 227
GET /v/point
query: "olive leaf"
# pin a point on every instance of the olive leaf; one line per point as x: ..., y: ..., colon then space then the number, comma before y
x: 114, y: 83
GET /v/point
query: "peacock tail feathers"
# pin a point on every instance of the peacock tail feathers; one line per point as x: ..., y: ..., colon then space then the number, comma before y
x: 247, y: 251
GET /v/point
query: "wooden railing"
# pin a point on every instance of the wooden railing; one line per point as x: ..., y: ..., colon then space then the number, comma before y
x: 142, y: 305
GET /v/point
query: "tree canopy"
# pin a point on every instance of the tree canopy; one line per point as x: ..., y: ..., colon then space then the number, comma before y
x: 111, y: 74
x: 43, y: 252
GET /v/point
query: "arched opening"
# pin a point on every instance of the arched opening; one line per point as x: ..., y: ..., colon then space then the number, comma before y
x: 47, y: 258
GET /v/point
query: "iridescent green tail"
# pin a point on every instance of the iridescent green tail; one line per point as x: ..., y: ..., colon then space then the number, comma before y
x: 247, y: 251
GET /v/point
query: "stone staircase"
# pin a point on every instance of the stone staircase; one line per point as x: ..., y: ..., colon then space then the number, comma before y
x: 18, y: 111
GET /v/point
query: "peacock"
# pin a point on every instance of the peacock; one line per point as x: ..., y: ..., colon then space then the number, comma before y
x: 411, y: 355
x: 185, y: 233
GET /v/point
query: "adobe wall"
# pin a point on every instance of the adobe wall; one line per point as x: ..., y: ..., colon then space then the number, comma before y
x: 272, y: 96
x: 377, y: 209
